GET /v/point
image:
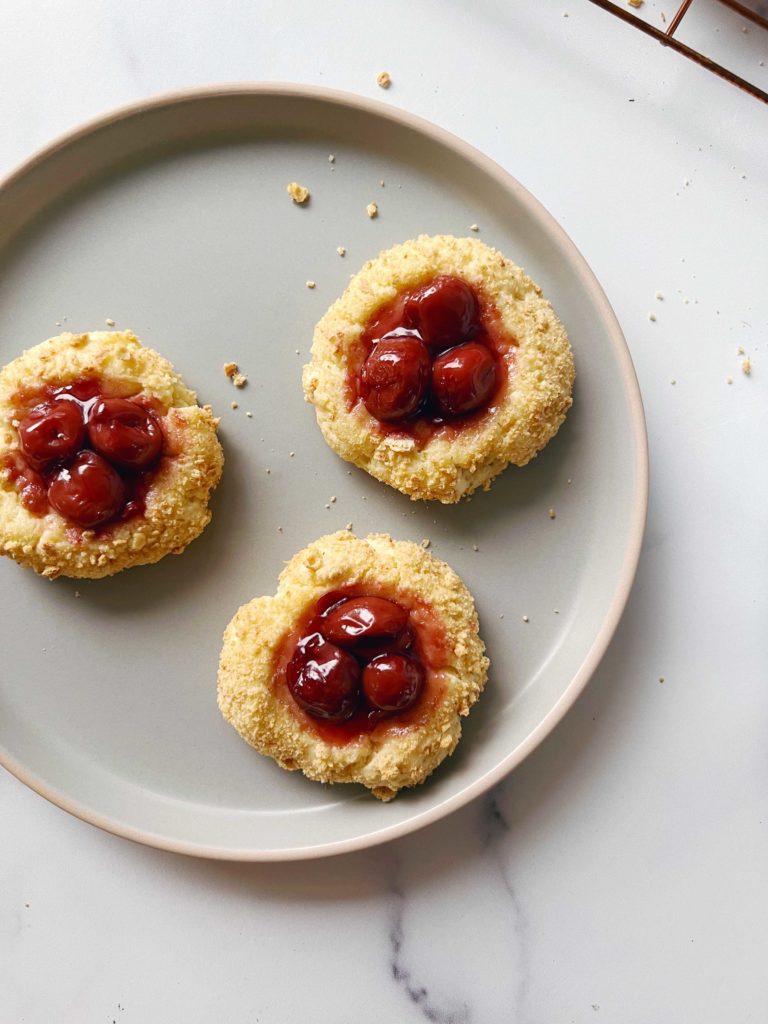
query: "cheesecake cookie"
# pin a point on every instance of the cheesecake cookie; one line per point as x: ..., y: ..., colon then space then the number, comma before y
x: 106, y: 459
x: 359, y: 668
x: 440, y: 365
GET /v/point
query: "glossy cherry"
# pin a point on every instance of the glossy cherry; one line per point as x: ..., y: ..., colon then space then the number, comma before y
x: 363, y: 619
x: 463, y: 379
x: 125, y: 433
x: 324, y: 679
x: 445, y: 311
x: 87, y: 491
x: 392, y: 682
x: 51, y: 432
x: 395, y: 377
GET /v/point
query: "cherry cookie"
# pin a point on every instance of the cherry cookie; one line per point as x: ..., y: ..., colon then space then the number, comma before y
x: 440, y: 365
x: 106, y: 459
x: 359, y: 668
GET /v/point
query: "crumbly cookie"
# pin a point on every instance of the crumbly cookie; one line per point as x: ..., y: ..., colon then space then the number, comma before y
x: 531, y: 405
x: 176, y: 501
x: 254, y: 698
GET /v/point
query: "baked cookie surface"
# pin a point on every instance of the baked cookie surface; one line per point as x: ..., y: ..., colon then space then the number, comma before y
x: 400, y: 750
x: 453, y: 461
x: 174, y: 503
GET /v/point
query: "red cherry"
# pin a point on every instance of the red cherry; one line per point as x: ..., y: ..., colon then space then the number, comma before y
x: 463, y: 378
x: 445, y: 311
x: 392, y: 682
x: 363, y: 618
x: 323, y: 679
x: 125, y: 433
x: 394, y: 378
x: 51, y: 431
x: 88, y: 491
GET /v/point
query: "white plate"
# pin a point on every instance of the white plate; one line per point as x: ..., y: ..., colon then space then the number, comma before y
x: 172, y: 218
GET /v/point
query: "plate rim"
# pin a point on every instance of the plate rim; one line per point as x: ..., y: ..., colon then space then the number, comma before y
x: 631, y: 388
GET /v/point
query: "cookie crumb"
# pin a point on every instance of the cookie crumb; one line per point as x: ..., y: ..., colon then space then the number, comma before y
x: 311, y: 284
x: 239, y: 380
x: 77, y: 593
x: 298, y: 193
x: 673, y: 381
x: 230, y: 369
x: 233, y: 405
x: 268, y: 471
x: 746, y: 367
x: 332, y: 499
x: 729, y: 380
x: 426, y: 542
x: 659, y: 296
x: 381, y: 183
x: 327, y: 506
x: 291, y: 454
x: 556, y: 611
x: 372, y: 209
x: 109, y: 322
x: 740, y: 350
x: 552, y: 514
x: 331, y: 158
x: 341, y: 251
x: 475, y: 547
x: 249, y: 415
x: 526, y: 619
x: 474, y: 227
x: 661, y: 679
x: 349, y: 526
x: 383, y: 80
x: 652, y: 316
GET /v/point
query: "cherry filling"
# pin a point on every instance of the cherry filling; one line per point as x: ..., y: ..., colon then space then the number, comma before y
x: 357, y: 656
x: 434, y: 356
x: 85, y: 453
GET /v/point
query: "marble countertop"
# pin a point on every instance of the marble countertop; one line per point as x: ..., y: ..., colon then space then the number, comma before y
x: 619, y: 875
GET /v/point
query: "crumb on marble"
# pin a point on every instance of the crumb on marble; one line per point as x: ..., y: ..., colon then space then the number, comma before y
x: 298, y: 193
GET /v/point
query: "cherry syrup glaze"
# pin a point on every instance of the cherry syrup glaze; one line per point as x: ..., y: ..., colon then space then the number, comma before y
x: 359, y: 663
x: 86, y: 452
x: 433, y: 361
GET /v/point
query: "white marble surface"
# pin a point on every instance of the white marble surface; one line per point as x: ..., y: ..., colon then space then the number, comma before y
x: 620, y: 876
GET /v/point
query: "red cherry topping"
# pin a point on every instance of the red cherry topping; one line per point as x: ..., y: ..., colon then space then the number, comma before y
x: 87, y: 491
x: 125, y: 433
x: 394, y: 378
x: 445, y: 311
x: 323, y: 679
x: 363, y: 618
x: 392, y: 682
x: 463, y: 378
x: 51, y: 431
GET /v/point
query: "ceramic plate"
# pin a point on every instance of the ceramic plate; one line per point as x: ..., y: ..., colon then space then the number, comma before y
x: 172, y: 219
